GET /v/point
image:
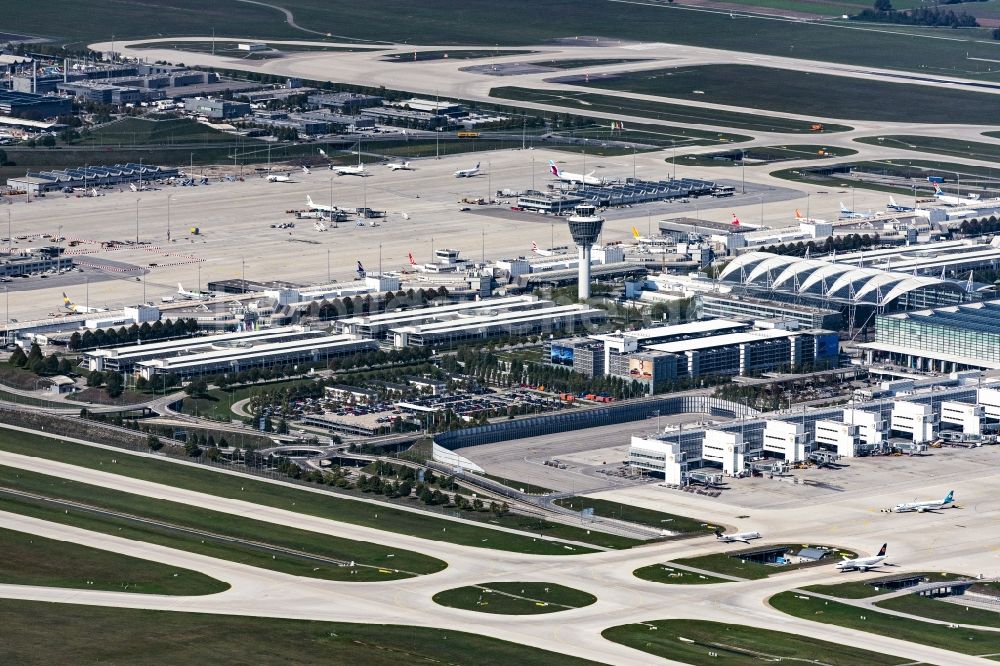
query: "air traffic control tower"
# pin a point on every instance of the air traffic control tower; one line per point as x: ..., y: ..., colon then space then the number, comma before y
x: 585, y: 227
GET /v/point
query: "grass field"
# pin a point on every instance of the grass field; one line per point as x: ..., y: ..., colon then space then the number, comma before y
x: 515, y: 598
x: 737, y: 645
x: 857, y: 589
x: 216, y: 403
x: 582, y: 63
x: 806, y: 93
x: 664, y: 573
x: 966, y: 641
x: 388, y: 518
x: 938, y: 145
x: 29, y: 559
x: 727, y: 563
x: 763, y: 155
x: 636, y: 514
x: 129, y: 636
x: 916, y: 171
x: 487, y: 23
x: 944, y: 611
x: 654, y: 110
x: 208, y: 532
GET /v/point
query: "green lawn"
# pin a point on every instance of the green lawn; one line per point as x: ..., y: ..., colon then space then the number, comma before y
x: 29, y: 559
x: 654, y: 110
x: 477, y: 54
x: 763, y: 155
x: 208, y: 532
x: 217, y: 403
x: 636, y: 514
x: 966, y: 641
x: 856, y: 589
x: 529, y: 488
x: 515, y: 598
x: 94, y: 634
x: 934, y: 144
x: 806, y: 93
x: 945, y: 611
x: 699, y: 642
x: 915, y: 171
x: 664, y: 573
x: 486, y: 23
x: 381, y: 517
x: 582, y: 63
x: 727, y: 563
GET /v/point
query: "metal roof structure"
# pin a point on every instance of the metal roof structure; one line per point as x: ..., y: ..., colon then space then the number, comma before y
x: 841, y: 282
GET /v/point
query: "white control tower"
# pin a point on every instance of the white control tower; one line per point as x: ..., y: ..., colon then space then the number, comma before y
x: 585, y: 227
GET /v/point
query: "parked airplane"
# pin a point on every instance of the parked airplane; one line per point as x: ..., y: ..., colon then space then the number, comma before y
x: 847, y: 213
x: 468, y: 173
x: 279, y: 178
x: 413, y: 262
x: 319, y: 225
x: 567, y: 177
x: 342, y: 170
x: 863, y: 563
x: 320, y: 207
x: 897, y: 207
x: 743, y: 537
x: 949, y: 200
x: 79, y: 309
x: 920, y: 507
x: 405, y: 215
x: 542, y: 253
x: 400, y: 166
x: 736, y: 221
x: 191, y: 295
x: 361, y: 270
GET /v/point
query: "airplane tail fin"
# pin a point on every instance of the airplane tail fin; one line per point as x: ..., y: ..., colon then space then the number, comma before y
x: 937, y: 190
x: 534, y: 246
x: 323, y: 153
x: 798, y: 215
x: 553, y: 168
x: 180, y: 288
x: 950, y: 497
x: 306, y: 170
x: 635, y: 232
x: 881, y: 552
x: 309, y: 200
x: 718, y: 533
x: 477, y: 166
x: 736, y: 220
x: 843, y: 208
x: 892, y: 201
x: 412, y: 262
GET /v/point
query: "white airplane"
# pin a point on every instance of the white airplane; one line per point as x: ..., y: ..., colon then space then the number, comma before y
x: 361, y: 270
x: 279, y: 178
x: 399, y: 166
x: 79, y: 309
x: 341, y: 170
x: 743, y: 537
x: 542, y: 253
x: 920, y: 507
x: 413, y: 262
x: 320, y: 207
x: 949, y: 200
x: 862, y: 563
x: 567, y: 177
x: 468, y: 173
x: 847, y: 213
x: 191, y: 295
x: 897, y: 207
x: 405, y: 215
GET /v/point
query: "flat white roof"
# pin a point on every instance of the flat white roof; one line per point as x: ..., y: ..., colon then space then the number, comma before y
x: 186, y: 343
x: 694, y: 344
x: 238, y: 353
x: 500, y: 318
x: 700, y: 326
x: 431, y: 312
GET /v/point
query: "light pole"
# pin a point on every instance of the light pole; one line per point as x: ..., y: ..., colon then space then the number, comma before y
x: 10, y: 239
x: 633, y: 162
x: 243, y: 272
x: 331, y: 202
x: 168, y: 217
x: 328, y: 266
x: 137, y: 221
x: 743, y: 169
x: 673, y: 158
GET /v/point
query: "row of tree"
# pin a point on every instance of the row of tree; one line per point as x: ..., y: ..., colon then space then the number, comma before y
x: 848, y: 243
x: 882, y: 12
x: 110, y: 337
x: 38, y: 363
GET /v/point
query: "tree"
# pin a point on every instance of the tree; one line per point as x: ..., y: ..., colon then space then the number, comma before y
x: 191, y: 448
x: 65, y: 366
x: 48, y: 141
x: 154, y: 443
x: 18, y: 358
x: 35, y: 354
x: 882, y: 5
x: 197, y: 387
x: 115, y: 384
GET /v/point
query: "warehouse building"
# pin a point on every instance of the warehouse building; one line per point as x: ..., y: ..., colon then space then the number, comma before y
x: 216, y: 109
x: 730, y: 306
x: 945, y: 339
x: 487, y: 325
x: 312, y: 350
x: 124, y: 359
x: 378, y: 326
x: 347, y: 103
x: 30, y: 105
